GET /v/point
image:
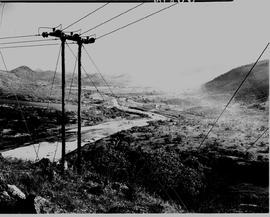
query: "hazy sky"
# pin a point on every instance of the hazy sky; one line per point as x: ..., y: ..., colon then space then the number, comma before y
x: 181, y: 47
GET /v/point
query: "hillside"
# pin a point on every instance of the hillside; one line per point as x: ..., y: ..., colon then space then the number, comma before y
x: 25, y: 72
x: 255, y: 87
x: 31, y: 84
x: 10, y: 84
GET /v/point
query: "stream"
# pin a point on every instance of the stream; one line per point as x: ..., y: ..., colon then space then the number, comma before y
x: 52, y: 150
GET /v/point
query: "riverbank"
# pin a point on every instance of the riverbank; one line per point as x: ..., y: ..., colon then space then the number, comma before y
x: 52, y: 150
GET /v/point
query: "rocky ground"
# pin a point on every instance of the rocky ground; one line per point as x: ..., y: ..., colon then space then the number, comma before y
x: 41, y: 188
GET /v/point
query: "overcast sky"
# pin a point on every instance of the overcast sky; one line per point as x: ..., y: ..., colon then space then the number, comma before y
x: 181, y: 47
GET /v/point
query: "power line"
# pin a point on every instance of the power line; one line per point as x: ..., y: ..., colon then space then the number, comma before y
x: 57, y: 61
x: 113, y: 18
x: 92, y: 12
x: 19, y: 106
x: 95, y: 65
x: 2, y: 14
x: 19, y: 36
x: 35, y: 45
x: 71, y: 83
x: 25, y: 46
x: 240, y: 85
x: 31, y: 41
x: 260, y: 136
x: 92, y: 82
x: 0, y: 27
x: 262, y: 98
x: 136, y: 21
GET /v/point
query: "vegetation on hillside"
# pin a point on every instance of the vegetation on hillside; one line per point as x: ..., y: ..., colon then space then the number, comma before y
x: 49, y: 191
x: 256, y: 86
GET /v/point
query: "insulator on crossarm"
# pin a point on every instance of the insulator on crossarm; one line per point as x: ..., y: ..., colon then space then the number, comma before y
x: 76, y: 36
x: 92, y: 40
x: 45, y: 34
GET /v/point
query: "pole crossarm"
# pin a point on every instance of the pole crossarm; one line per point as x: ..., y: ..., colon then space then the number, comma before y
x: 72, y: 37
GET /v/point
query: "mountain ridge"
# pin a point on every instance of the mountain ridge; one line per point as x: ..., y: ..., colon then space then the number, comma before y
x: 256, y: 85
x: 26, y: 73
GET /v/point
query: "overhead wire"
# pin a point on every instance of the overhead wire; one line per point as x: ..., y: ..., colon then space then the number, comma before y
x: 19, y: 106
x: 88, y: 76
x: 136, y: 21
x: 112, y: 18
x: 30, y: 41
x: 19, y: 36
x: 2, y: 14
x: 53, y: 80
x: 56, y: 66
x: 87, y: 15
x: 73, y: 74
x: 34, y: 45
x: 235, y: 92
x: 258, y: 138
x: 97, y: 69
x: 57, y: 144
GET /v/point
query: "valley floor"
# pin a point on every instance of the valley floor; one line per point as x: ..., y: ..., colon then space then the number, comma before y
x: 162, y: 165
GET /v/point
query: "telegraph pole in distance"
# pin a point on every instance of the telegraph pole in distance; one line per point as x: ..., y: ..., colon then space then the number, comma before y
x: 61, y: 35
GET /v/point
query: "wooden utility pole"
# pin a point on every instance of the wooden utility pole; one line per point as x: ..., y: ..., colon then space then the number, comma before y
x: 80, y: 41
x: 63, y: 41
x: 79, y: 167
x: 59, y: 34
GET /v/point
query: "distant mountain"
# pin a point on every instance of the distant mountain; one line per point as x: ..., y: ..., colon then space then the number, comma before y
x: 33, y: 84
x: 19, y: 82
x: 29, y: 75
x: 24, y: 72
x: 255, y: 87
x: 119, y: 80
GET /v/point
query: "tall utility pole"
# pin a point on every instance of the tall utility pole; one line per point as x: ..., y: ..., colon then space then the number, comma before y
x: 79, y: 163
x: 63, y: 41
x: 59, y: 34
x: 80, y: 41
